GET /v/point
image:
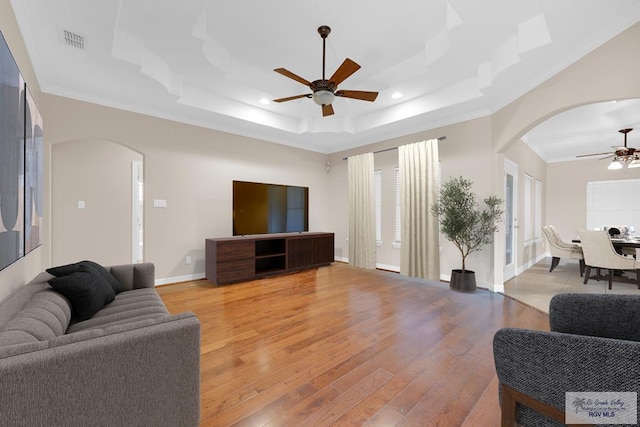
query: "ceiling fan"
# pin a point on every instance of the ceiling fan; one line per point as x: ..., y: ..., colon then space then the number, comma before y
x: 323, y: 90
x: 623, y: 157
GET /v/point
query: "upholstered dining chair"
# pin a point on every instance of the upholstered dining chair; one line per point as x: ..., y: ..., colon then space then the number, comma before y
x: 560, y: 249
x: 599, y: 253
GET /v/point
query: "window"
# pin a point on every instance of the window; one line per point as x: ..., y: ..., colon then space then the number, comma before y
x: 537, y: 226
x: 528, y: 196
x: 377, y: 175
x: 611, y: 203
x: 532, y: 208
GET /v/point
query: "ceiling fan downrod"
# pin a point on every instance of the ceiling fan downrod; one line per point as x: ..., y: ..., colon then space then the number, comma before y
x: 324, y: 31
x: 625, y: 132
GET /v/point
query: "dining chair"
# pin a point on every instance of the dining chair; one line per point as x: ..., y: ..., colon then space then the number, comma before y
x: 560, y: 249
x: 614, y: 232
x: 599, y: 253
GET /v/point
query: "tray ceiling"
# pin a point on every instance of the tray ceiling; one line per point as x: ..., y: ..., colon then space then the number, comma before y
x: 211, y: 63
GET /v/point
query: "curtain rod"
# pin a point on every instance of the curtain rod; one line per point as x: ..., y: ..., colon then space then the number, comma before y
x: 441, y: 138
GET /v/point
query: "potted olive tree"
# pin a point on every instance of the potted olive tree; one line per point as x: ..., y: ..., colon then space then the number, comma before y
x: 467, y: 226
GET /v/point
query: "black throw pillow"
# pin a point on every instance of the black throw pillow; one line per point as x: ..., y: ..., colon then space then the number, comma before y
x: 65, y: 270
x: 86, y: 290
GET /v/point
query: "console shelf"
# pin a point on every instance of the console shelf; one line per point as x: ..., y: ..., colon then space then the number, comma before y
x: 241, y: 258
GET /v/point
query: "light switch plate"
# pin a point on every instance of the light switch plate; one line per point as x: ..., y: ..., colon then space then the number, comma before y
x: 159, y: 203
x: 80, y: 204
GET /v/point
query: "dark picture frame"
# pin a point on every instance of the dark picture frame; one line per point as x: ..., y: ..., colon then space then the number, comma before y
x: 33, y: 165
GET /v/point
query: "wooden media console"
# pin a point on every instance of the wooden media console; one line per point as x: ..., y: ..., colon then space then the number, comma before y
x: 240, y: 258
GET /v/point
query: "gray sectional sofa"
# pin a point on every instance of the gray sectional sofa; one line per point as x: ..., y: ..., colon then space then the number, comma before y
x: 129, y: 364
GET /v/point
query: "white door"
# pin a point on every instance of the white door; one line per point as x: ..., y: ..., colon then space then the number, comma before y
x: 510, y: 217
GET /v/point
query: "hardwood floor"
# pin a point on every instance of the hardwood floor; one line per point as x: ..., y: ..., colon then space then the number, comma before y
x: 346, y: 346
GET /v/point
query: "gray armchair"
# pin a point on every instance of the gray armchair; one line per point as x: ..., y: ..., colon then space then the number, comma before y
x: 594, y: 345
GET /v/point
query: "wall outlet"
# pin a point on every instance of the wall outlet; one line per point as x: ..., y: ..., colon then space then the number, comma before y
x: 187, y: 259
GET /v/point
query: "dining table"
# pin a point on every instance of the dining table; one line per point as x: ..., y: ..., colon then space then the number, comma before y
x: 633, y: 242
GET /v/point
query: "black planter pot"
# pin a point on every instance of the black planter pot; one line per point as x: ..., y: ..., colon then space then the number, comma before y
x: 463, y: 281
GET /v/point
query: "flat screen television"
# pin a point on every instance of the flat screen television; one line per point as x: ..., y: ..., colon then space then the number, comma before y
x: 260, y: 208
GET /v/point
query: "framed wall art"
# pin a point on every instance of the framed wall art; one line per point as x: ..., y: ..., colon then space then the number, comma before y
x: 12, y: 107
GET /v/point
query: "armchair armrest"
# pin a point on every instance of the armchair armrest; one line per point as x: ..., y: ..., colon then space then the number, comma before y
x: 545, y: 365
x: 610, y: 316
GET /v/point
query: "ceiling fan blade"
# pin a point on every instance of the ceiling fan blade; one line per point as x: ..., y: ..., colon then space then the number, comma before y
x: 607, y: 157
x: 358, y: 94
x: 291, y: 75
x: 343, y: 72
x: 327, y: 110
x: 594, y: 154
x: 291, y: 98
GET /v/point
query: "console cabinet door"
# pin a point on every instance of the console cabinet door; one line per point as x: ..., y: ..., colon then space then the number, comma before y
x: 235, y: 249
x: 310, y: 251
x: 300, y: 252
x: 324, y: 249
x: 230, y: 260
x: 235, y: 270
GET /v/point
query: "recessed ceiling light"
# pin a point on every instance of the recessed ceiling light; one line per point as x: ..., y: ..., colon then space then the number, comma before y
x: 396, y: 95
x: 264, y: 101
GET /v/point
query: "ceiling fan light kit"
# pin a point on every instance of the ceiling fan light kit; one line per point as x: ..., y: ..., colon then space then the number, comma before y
x: 614, y: 165
x: 623, y: 157
x: 323, y: 97
x: 325, y: 91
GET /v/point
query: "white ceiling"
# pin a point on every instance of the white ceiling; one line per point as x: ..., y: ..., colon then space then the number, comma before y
x: 210, y: 63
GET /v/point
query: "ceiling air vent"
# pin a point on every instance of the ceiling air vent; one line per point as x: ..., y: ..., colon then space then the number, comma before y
x: 72, y: 39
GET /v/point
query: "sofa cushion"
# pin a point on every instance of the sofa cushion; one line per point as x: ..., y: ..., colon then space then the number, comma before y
x: 45, y: 316
x: 87, y: 291
x: 138, y: 304
x: 65, y: 270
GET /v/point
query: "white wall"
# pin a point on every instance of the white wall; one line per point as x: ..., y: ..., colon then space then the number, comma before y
x: 192, y: 169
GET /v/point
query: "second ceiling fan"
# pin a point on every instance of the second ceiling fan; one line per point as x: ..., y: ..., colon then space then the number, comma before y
x: 325, y: 90
x: 624, y: 157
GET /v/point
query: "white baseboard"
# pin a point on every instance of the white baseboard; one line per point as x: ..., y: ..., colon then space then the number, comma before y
x: 387, y: 267
x: 483, y: 285
x: 530, y: 264
x: 178, y: 279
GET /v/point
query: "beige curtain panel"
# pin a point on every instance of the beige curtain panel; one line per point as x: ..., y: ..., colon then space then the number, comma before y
x: 419, y: 230
x: 362, y: 211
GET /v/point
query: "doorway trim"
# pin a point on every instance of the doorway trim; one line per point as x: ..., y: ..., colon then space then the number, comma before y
x: 137, y: 212
x: 511, y: 221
